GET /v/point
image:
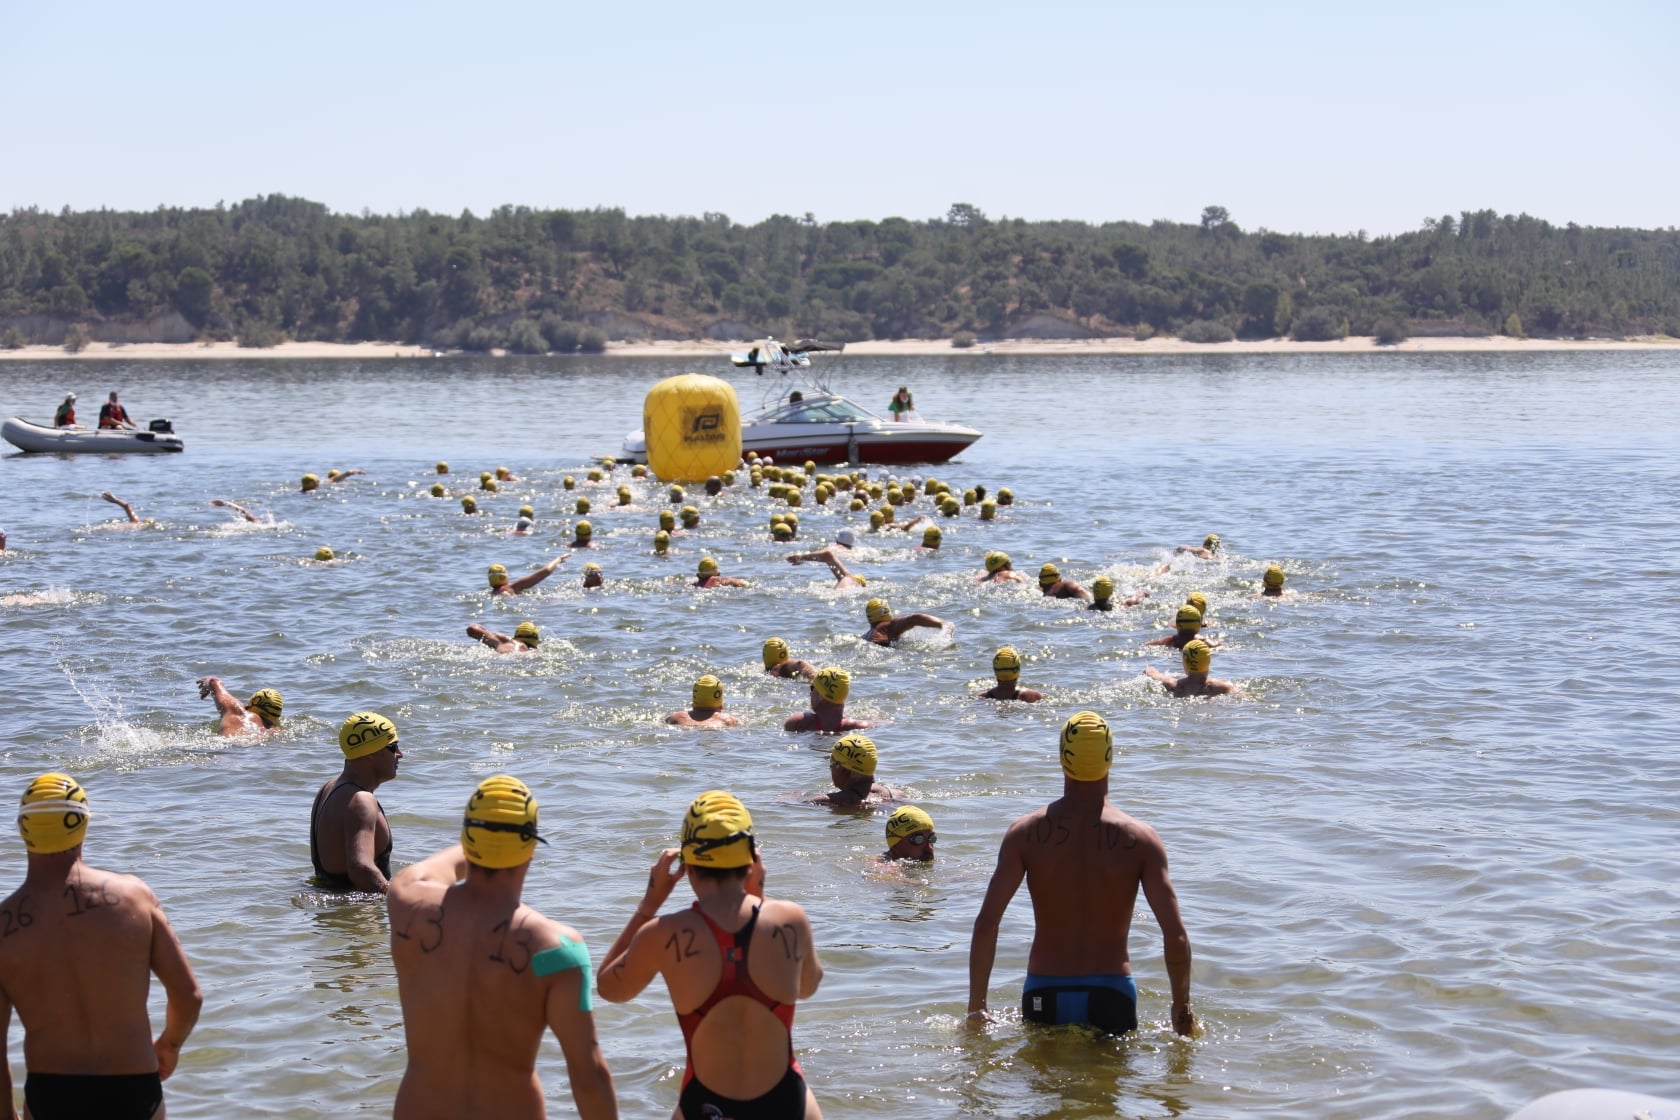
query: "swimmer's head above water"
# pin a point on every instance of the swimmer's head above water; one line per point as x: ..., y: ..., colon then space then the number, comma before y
x: 1198, y: 656
x: 706, y: 567
x: 1049, y: 575
x: 910, y: 834
x: 662, y: 542
x: 1006, y: 664
x: 499, y: 826
x: 267, y: 703
x: 310, y: 482
x: 1102, y: 589
x: 833, y: 684
x: 1212, y: 543
x: 1087, y: 747
x: 856, y: 753
x: 1199, y: 601
x: 526, y: 634
x: 708, y: 692
x: 877, y: 611
x: 52, y: 814
x: 324, y: 554
x: 1188, y: 620
x: 996, y: 561
x: 717, y: 832
x: 498, y: 575
x: 366, y: 733
x: 1273, y: 578
x: 775, y: 652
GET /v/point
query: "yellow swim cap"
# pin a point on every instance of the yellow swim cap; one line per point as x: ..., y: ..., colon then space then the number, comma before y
x: 52, y: 814
x: 333, y: 474
x: 970, y: 497
x: 717, y: 832
x: 437, y: 490
x: 1273, y: 579
x: 1087, y: 747
x: 608, y: 462
x: 775, y: 652
x: 1198, y: 656
x: 1199, y: 601
x: 1049, y: 574
x: 810, y: 466
x: 877, y: 610
x: 676, y: 494
x: 1188, y: 618
x: 1006, y: 497
x: 268, y: 702
x: 1006, y: 664
x: 950, y: 507
x: 782, y: 531
x: 877, y: 518
x: 931, y: 535
x: 855, y: 504
x: 667, y: 519
x: 366, y: 733
x: 569, y: 482
x: 728, y: 478
x: 323, y: 553
x: 708, y: 692
x: 310, y: 482
x: 526, y: 632
x: 661, y: 541
x: 583, y: 530
x: 594, y: 475
x: 706, y: 567
x: 907, y: 821
x: 689, y: 513
x: 638, y: 471
x: 527, y: 511
x: 499, y: 827
x: 583, y: 505
x: 484, y: 476
x: 442, y: 467
x: 1102, y: 589
x: 498, y: 575
x: 592, y: 567
x: 502, y: 472
x: 988, y: 510
x: 470, y: 504
x: 1211, y: 542
x: 930, y: 487
x: 997, y: 561
x: 624, y: 496
x: 856, y: 753
x: 833, y: 684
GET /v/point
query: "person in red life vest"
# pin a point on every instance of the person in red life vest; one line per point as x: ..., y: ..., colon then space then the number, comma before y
x: 65, y: 417
x: 113, y: 415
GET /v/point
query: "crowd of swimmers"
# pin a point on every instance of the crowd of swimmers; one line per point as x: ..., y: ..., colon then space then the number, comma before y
x: 481, y: 975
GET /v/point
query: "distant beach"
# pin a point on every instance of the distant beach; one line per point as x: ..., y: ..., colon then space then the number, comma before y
x: 906, y: 347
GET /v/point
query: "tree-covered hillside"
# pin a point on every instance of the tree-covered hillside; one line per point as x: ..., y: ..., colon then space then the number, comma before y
x: 535, y: 280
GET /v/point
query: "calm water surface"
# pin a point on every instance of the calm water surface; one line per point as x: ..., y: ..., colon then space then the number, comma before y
x: 1427, y: 861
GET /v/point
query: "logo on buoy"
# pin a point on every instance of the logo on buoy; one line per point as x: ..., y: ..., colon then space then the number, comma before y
x: 703, y: 427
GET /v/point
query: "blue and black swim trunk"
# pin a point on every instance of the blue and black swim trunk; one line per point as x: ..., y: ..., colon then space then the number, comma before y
x: 1105, y: 1001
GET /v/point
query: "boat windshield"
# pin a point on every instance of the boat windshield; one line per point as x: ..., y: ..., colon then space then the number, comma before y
x: 816, y: 410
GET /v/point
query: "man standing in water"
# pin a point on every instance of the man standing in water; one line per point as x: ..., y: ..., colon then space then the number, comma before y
x: 735, y: 964
x: 349, y: 838
x: 481, y: 974
x: 77, y: 953
x: 1083, y: 861
x: 259, y: 714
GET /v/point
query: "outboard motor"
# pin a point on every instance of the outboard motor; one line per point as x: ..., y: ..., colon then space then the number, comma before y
x: 162, y: 426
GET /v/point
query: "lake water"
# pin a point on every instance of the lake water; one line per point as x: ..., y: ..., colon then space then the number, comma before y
x: 1427, y: 860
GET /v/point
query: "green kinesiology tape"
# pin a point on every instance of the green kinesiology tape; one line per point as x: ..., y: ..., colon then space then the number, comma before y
x: 567, y: 954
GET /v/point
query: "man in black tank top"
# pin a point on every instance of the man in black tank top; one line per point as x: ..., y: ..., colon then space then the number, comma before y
x: 349, y: 838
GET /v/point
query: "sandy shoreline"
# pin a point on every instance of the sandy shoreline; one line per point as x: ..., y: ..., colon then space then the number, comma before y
x: 712, y: 349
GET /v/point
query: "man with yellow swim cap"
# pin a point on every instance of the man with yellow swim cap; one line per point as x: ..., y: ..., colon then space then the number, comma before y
x: 1102, y: 596
x: 501, y: 585
x: 1187, y: 625
x: 706, y: 575
x: 1271, y: 583
x: 778, y: 662
x: 349, y: 837
x: 851, y: 767
x: 910, y: 835
x: 999, y: 569
x: 1052, y: 586
x: 829, y: 689
x: 1006, y: 667
x: 932, y: 537
x: 256, y: 716
x: 593, y: 576
x: 740, y: 964
x: 1211, y: 548
x: 524, y: 638
x: 1198, y: 659
x: 78, y: 949
x: 843, y: 576
x: 885, y: 628
x: 707, y: 710
x: 481, y: 974
x: 1083, y: 861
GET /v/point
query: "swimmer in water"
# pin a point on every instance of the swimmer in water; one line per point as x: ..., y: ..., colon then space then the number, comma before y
x: 133, y: 518
x: 583, y: 535
x: 884, y: 629
x: 708, y: 707
x: 257, y: 715
x: 1212, y: 547
x: 706, y: 575
x: 1053, y: 586
x: 501, y: 585
x: 746, y: 960
x: 1198, y: 659
x: 999, y: 569
x: 524, y: 638
x: 527, y: 521
x: 1083, y: 861
x: 1271, y: 584
x: 505, y: 475
x: 714, y: 486
x: 235, y: 507
x: 829, y: 689
x: 1187, y: 624
x: 592, y: 576
x: 910, y: 835
x: 1102, y: 596
x: 662, y: 544
x: 842, y: 576
x: 851, y: 767
x: 340, y: 476
x: 80, y: 949
x: 779, y: 663
x: 481, y: 975
x: 1006, y: 667
x: 469, y: 505
x: 931, y: 539
x: 349, y: 837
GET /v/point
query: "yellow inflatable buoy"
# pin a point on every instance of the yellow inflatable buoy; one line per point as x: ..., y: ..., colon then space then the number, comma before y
x: 692, y: 424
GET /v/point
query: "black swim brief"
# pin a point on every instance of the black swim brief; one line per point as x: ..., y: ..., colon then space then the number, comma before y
x: 81, y: 1096
x: 785, y: 1102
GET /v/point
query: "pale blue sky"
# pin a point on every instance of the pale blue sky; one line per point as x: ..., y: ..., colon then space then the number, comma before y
x: 1305, y: 116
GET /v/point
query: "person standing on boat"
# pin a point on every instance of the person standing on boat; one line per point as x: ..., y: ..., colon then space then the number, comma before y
x: 901, y: 403
x: 113, y: 415
x: 65, y: 417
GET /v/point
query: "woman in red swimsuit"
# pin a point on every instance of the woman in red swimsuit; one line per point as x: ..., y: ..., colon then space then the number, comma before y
x: 735, y: 964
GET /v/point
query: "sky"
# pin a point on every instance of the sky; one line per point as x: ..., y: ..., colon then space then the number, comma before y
x: 1303, y: 117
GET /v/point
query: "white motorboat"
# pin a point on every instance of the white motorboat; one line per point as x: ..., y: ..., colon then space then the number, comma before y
x: 158, y: 436
x: 817, y: 424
